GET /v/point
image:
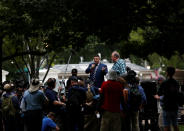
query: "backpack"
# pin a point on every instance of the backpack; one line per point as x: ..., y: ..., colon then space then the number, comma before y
x: 135, y: 96
x: 7, y: 106
x: 75, y: 99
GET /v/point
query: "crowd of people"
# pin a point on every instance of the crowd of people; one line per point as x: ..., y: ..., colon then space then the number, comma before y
x: 91, y: 104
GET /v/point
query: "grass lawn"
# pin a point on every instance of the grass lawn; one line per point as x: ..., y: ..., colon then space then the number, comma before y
x: 181, y: 127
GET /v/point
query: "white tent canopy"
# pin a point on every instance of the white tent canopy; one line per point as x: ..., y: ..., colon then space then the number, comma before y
x: 4, y: 73
x: 53, y: 73
x: 65, y: 70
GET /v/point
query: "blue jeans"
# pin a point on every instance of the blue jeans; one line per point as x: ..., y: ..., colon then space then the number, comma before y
x: 95, y: 92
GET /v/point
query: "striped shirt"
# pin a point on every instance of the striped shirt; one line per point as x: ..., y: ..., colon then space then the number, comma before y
x: 120, y: 67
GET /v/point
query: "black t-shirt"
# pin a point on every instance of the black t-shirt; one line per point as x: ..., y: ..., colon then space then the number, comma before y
x: 169, y: 89
x: 52, y: 96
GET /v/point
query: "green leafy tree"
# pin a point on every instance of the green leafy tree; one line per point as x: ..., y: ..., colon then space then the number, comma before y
x: 136, y: 60
x: 155, y: 60
x: 30, y: 29
x: 132, y: 27
x: 176, y: 61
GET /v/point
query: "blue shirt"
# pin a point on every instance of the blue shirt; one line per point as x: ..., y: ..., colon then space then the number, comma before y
x: 141, y: 90
x: 34, y: 100
x: 120, y: 67
x: 48, y: 124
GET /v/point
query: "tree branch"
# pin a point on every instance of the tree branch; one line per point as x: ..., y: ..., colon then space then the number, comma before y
x: 48, y: 68
x: 37, y: 53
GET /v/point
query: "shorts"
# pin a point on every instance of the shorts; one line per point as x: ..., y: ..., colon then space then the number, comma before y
x: 170, y: 118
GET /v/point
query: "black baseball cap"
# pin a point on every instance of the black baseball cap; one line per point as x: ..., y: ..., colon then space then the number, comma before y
x: 74, y: 71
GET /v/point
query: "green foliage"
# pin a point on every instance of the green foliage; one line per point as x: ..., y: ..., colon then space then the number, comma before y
x: 28, y: 26
x: 137, y: 36
x: 92, y: 47
x: 156, y: 61
x: 144, y: 25
x: 176, y: 61
x: 89, y: 27
x: 136, y: 60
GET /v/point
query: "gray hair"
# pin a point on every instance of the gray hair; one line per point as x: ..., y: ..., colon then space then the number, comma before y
x: 112, y: 75
x: 116, y: 54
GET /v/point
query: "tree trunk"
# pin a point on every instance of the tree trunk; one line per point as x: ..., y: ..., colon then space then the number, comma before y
x: 32, y: 65
x: 1, y: 43
x: 38, y: 60
x: 48, y: 68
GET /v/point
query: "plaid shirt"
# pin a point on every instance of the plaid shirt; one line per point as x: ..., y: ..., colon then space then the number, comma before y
x: 120, y: 66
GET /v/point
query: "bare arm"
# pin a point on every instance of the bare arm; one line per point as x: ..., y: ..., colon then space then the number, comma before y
x: 59, y: 103
x: 57, y: 128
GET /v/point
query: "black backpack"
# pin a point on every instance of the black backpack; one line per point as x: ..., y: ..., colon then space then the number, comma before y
x: 75, y: 99
x: 135, y: 96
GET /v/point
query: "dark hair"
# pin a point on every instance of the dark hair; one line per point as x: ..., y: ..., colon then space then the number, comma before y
x: 128, y: 69
x: 51, y: 82
x: 74, y: 71
x: 97, y: 56
x: 35, y: 82
x: 51, y: 114
x: 170, y: 70
x: 131, y: 77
